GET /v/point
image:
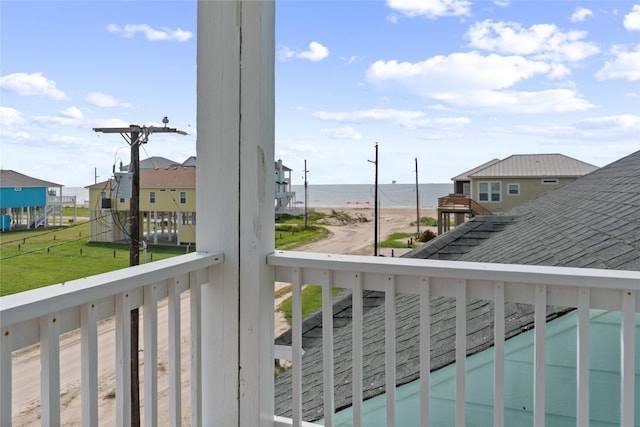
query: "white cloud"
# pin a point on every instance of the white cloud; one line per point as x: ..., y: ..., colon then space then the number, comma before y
x: 553, y: 100
x: 58, y: 120
x: 621, y: 122
x: 632, y: 20
x: 150, y: 33
x: 10, y: 117
x: 581, y: 14
x: 31, y: 84
x: 431, y: 8
x: 100, y: 99
x: 72, y: 113
x: 456, y: 72
x: 543, y: 41
x: 341, y: 133
x: 405, y: 118
x: 501, y: 3
x: 625, y: 65
x: 316, y: 52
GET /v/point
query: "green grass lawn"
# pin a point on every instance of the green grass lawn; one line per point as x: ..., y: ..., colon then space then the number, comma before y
x: 35, y: 258
x: 399, y: 240
x: 311, y: 300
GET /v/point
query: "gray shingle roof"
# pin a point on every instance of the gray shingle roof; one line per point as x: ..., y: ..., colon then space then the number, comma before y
x: 535, y: 165
x: 591, y: 222
x: 11, y: 178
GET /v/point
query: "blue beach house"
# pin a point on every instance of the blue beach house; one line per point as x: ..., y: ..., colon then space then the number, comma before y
x: 28, y: 202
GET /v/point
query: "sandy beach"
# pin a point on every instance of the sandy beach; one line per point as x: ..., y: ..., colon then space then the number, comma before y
x: 354, y: 239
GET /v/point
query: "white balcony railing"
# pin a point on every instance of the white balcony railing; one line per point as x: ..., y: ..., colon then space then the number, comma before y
x: 540, y: 286
x: 42, y: 315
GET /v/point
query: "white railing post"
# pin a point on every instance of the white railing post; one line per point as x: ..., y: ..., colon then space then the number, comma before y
x: 627, y: 362
x: 356, y: 351
x: 327, y: 349
x: 89, y: 356
x: 461, y: 352
x: 498, y: 359
x: 195, y: 321
x: 296, y: 342
x: 539, y: 350
x: 123, y: 367
x: 425, y: 349
x: 49, y: 370
x: 582, y: 362
x: 174, y: 340
x: 6, y: 348
x: 150, y: 328
x: 390, y: 348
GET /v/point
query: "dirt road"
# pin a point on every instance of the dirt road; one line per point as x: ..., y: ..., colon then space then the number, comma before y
x: 353, y: 239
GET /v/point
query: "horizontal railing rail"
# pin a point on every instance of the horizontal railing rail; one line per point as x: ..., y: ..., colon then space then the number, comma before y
x: 540, y: 286
x: 41, y: 315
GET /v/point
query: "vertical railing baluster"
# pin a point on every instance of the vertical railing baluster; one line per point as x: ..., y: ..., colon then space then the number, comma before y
x: 498, y: 359
x: 196, y: 279
x: 49, y: 371
x: 425, y: 350
x: 89, y: 367
x: 390, y: 349
x: 539, y: 349
x: 582, y: 362
x: 150, y: 327
x: 175, y: 361
x: 627, y: 356
x: 296, y: 343
x: 6, y: 347
x: 356, y: 351
x: 461, y: 351
x: 123, y: 365
x: 327, y: 345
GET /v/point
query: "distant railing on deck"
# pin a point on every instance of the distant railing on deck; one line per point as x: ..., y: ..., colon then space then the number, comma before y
x: 537, y: 285
x: 42, y: 315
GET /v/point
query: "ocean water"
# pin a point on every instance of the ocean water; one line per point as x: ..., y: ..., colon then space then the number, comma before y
x: 344, y: 195
x: 389, y: 195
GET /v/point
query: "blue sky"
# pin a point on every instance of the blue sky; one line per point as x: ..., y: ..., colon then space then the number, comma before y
x: 451, y: 83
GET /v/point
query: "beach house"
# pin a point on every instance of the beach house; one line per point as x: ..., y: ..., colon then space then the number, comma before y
x: 225, y: 290
x: 499, y: 185
x: 167, y: 202
x: 27, y: 202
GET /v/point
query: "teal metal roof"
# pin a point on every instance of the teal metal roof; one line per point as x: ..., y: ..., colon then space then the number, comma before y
x: 560, y: 399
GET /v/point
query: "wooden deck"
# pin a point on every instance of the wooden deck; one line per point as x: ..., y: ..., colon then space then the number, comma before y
x: 459, y: 205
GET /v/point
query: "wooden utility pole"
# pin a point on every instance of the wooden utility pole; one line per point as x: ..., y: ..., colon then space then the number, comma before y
x: 305, y: 194
x: 134, y: 259
x: 417, y: 204
x: 136, y: 135
x: 375, y: 207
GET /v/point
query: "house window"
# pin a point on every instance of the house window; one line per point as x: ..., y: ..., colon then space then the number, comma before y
x: 549, y: 181
x: 103, y: 194
x: 489, y: 191
x: 513, y: 189
x: 152, y: 197
x: 466, y: 188
x: 183, y: 197
x: 121, y: 199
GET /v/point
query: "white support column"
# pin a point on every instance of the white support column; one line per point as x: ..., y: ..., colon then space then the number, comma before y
x: 235, y: 205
